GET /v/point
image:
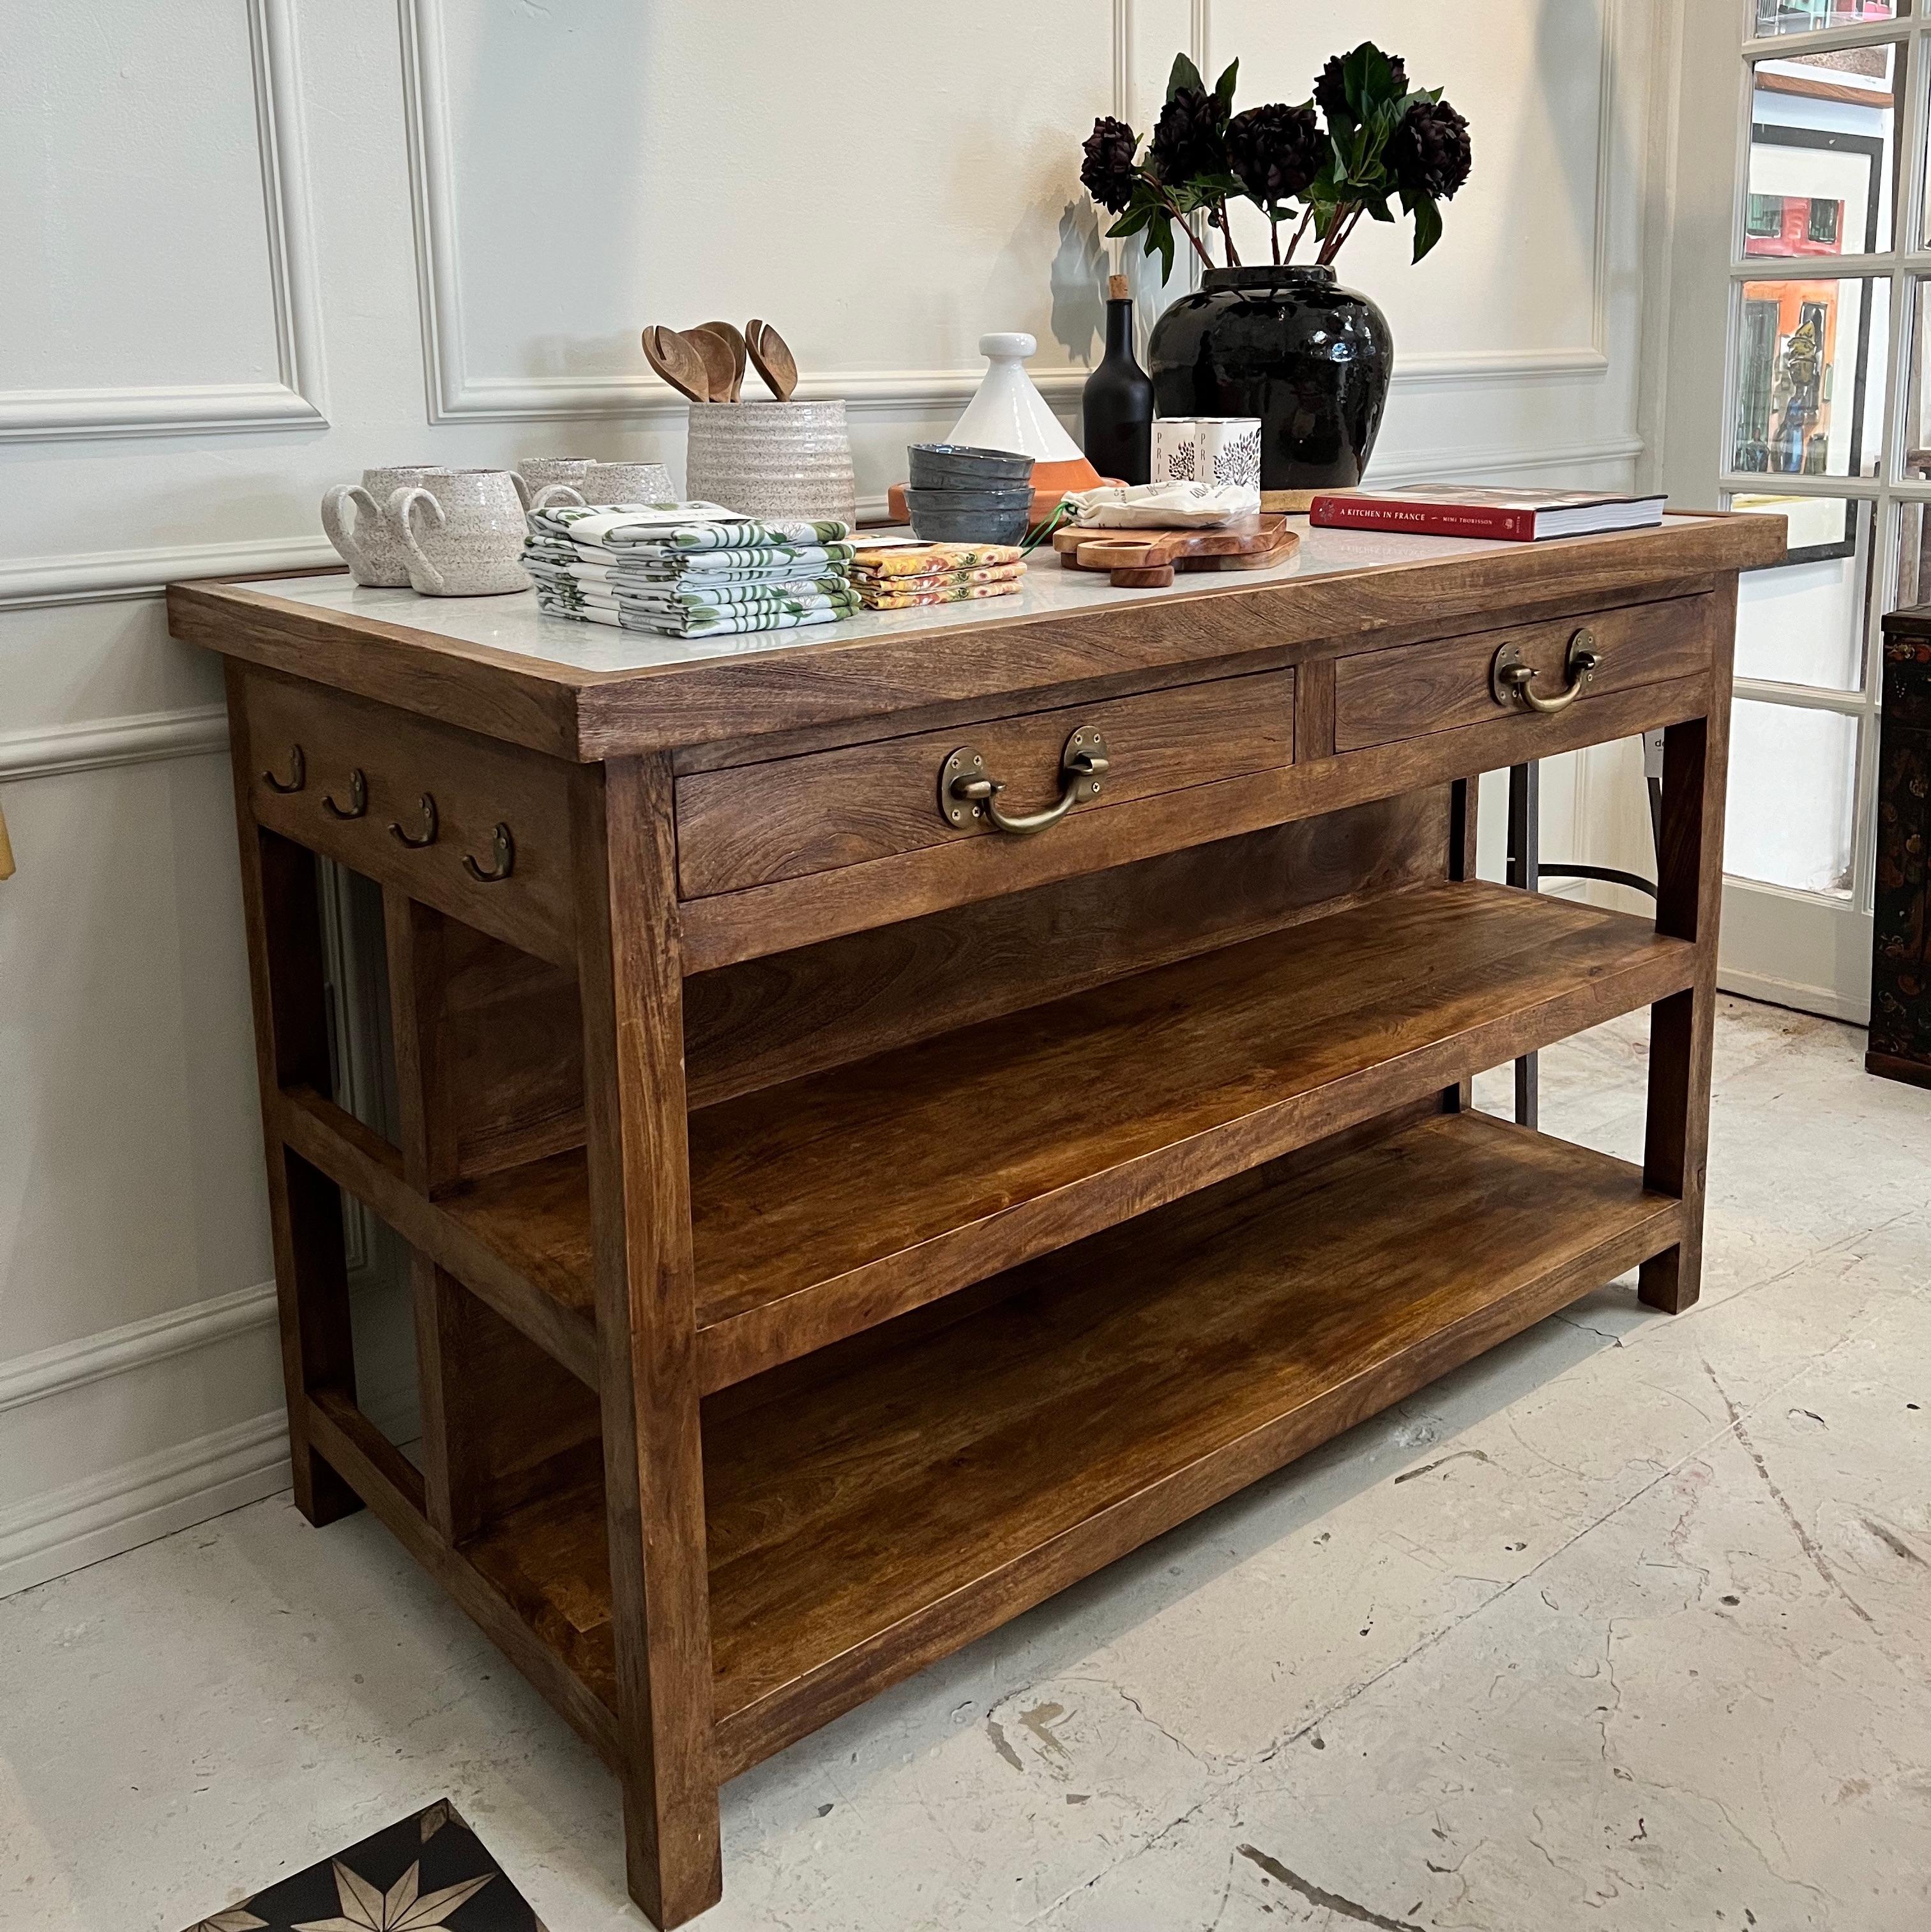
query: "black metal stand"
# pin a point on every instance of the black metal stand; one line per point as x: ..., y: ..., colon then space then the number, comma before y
x: 1527, y: 872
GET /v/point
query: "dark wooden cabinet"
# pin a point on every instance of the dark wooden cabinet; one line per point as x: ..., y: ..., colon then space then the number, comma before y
x: 838, y: 1223
x: 1900, y: 1029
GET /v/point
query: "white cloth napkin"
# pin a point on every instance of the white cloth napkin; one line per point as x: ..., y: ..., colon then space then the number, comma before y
x: 1162, y: 506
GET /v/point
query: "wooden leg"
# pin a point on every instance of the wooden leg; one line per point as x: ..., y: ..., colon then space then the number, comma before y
x: 1689, y: 893
x: 622, y: 843
x: 283, y: 916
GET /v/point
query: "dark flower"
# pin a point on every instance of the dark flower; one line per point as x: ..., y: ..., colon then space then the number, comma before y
x: 1107, y: 172
x: 1277, y: 150
x: 1190, y: 137
x: 1430, y: 151
x: 1330, y: 91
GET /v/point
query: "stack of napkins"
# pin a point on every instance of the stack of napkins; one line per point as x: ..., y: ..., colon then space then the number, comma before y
x: 894, y: 576
x: 687, y: 569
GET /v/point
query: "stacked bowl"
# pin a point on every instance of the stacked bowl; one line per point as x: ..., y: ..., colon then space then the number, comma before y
x: 958, y: 494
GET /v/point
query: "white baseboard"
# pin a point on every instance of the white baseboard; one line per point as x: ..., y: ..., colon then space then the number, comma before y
x: 1825, y: 1001
x: 66, y: 1528
x: 136, y: 1346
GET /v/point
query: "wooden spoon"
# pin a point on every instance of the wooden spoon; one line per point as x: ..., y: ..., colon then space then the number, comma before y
x: 677, y: 362
x: 772, y: 358
x: 720, y: 364
x: 733, y: 338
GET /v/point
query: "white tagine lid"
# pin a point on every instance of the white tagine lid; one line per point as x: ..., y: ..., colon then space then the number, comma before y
x: 1008, y: 412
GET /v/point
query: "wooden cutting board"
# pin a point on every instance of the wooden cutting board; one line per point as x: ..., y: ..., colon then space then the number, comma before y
x: 1147, y: 559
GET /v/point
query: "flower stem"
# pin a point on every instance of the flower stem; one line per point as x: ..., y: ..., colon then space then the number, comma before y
x: 1307, y: 217
x: 1180, y: 220
x: 1218, y: 217
x: 1345, y: 225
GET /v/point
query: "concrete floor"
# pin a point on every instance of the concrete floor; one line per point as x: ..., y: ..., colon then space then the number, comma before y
x: 1627, y: 1625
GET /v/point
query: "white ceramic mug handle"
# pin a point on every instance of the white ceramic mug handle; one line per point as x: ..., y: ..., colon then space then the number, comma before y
x: 554, y: 493
x: 401, y: 506
x: 522, y: 487
x: 335, y: 524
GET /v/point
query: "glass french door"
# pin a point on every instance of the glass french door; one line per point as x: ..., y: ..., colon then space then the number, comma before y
x: 1824, y: 420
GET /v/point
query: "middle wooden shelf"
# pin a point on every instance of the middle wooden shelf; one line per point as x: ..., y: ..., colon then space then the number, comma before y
x: 827, y: 1205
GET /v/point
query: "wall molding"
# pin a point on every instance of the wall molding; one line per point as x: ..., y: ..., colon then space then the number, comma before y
x: 457, y: 394
x: 296, y: 398
x: 139, y: 739
x: 1454, y: 460
x: 80, y: 1523
x: 68, y: 1366
x: 108, y: 576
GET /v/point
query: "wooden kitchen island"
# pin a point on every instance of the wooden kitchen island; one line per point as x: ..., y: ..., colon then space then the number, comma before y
x: 838, y: 1221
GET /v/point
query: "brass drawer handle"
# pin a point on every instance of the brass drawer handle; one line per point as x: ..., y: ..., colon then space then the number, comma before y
x: 966, y: 790
x: 1512, y: 681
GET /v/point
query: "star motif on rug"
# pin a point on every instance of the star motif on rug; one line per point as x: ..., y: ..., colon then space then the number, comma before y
x: 364, y: 1908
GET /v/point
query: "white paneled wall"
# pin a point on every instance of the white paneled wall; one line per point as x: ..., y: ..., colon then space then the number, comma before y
x: 252, y: 246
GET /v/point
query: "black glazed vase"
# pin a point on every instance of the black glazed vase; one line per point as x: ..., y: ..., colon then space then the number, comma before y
x: 1312, y: 360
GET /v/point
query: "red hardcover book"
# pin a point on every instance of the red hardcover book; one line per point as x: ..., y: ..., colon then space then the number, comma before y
x: 1471, y: 510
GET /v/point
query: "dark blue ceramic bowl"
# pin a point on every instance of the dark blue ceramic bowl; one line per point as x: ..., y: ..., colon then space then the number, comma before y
x: 956, y: 466
x: 969, y: 516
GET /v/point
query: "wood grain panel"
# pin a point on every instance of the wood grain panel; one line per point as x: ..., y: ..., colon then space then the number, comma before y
x: 765, y: 919
x: 475, y: 782
x: 751, y: 824
x: 1382, y: 696
x: 800, y: 1013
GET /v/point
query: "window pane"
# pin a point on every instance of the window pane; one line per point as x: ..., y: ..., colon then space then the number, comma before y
x: 1793, y: 779
x: 1808, y: 16
x: 1803, y: 623
x: 1914, y: 459
x: 1914, y: 554
x: 1809, y: 361
x: 1821, y: 166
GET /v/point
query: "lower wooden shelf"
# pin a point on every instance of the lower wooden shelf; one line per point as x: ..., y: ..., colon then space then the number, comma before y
x: 865, y: 1524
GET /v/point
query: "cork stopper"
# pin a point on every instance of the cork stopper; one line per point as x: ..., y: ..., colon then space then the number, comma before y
x: 1116, y: 288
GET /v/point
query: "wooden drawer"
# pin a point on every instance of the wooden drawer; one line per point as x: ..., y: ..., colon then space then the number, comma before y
x: 750, y: 825
x: 477, y: 784
x: 1382, y: 696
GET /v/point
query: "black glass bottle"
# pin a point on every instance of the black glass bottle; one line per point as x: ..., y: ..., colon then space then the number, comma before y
x: 1117, y: 403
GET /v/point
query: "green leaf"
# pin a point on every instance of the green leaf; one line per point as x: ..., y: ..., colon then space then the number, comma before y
x: 1160, y: 241
x: 1378, y: 211
x: 1223, y: 88
x: 1428, y: 226
x: 1184, y: 74
x: 1131, y: 222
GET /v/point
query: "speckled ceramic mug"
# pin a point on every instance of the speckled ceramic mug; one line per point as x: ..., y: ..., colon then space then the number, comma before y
x: 370, y: 546
x: 461, y: 532
x: 600, y: 483
x: 545, y: 480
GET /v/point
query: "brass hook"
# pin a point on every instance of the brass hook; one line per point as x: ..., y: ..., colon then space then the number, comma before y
x: 428, y: 809
x: 505, y: 846
x: 358, y: 798
x: 298, y: 767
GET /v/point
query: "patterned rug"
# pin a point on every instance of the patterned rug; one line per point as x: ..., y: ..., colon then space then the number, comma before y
x: 425, y: 1871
